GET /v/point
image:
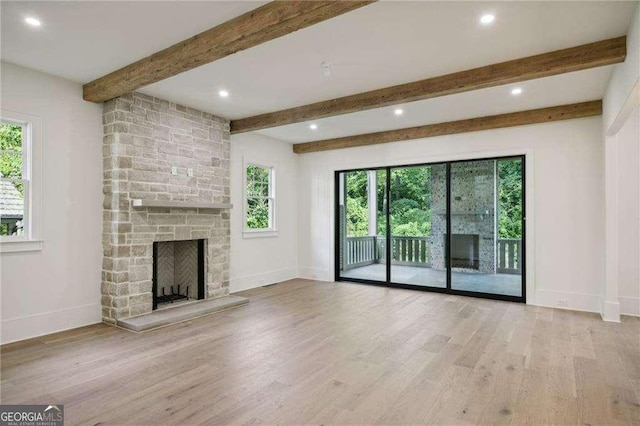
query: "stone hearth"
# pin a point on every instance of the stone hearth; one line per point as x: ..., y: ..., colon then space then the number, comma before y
x: 144, y: 137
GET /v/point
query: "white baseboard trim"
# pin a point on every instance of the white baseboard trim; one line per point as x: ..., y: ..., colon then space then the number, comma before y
x: 16, y: 329
x: 565, y: 300
x: 610, y: 311
x: 630, y: 306
x: 258, y: 280
x: 317, y: 274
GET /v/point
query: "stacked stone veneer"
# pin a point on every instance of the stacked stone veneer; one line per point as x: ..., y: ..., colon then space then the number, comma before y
x: 473, y: 209
x: 143, y: 138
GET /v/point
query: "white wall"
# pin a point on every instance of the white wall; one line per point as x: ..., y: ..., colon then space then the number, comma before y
x: 565, y: 208
x: 628, y: 215
x: 58, y: 287
x: 625, y: 75
x: 622, y: 158
x: 259, y: 261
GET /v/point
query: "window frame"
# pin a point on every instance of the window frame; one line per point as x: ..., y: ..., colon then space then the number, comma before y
x: 271, y: 230
x: 31, y: 179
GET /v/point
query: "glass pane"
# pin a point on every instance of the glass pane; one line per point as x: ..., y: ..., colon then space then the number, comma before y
x: 257, y: 174
x: 362, y: 225
x: 418, y: 225
x: 257, y: 213
x: 257, y: 189
x: 10, y: 151
x: 10, y: 137
x: 264, y: 189
x: 251, y: 189
x: 486, y: 248
x: 11, y: 164
x: 11, y: 208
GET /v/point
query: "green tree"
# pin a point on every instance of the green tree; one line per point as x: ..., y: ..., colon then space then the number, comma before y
x: 410, y: 198
x: 357, y: 218
x: 411, y: 201
x: 258, y: 197
x: 510, y: 198
x: 357, y: 211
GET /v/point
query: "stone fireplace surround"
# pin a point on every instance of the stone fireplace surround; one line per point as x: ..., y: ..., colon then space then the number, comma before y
x: 144, y: 137
x: 473, y: 208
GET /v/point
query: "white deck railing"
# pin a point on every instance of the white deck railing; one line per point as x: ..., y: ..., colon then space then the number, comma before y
x: 414, y: 251
x: 509, y: 256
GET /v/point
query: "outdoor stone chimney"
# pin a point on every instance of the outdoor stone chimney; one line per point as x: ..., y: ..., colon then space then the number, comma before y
x: 144, y: 137
x: 473, y: 211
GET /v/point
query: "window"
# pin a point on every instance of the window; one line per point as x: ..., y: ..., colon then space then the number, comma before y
x: 14, y: 179
x: 259, y: 200
x: 17, y: 209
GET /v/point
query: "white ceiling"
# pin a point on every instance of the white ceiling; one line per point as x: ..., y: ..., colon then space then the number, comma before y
x: 569, y: 88
x: 84, y: 40
x: 388, y: 43
x: 376, y: 46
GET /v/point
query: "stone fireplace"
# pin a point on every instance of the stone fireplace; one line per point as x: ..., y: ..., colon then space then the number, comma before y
x: 176, y: 160
x: 473, y: 216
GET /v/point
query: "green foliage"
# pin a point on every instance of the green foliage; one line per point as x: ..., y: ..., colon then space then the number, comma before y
x: 11, y: 153
x: 510, y: 198
x: 410, y: 198
x: 258, y: 197
x: 10, y: 137
x: 357, y: 211
x: 357, y: 217
x: 411, y: 201
x: 257, y: 213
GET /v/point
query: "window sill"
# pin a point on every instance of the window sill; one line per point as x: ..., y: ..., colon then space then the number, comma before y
x: 20, y: 246
x: 267, y: 233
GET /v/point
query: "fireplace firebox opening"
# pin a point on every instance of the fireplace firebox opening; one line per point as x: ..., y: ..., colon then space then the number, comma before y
x: 178, y: 272
x: 465, y: 251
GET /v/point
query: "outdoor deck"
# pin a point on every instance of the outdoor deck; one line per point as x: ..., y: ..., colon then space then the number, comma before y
x: 505, y: 284
x: 364, y: 258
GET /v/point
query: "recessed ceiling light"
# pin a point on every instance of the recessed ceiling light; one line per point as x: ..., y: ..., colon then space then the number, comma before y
x: 398, y: 111
x: 487, y: 19
x: 33, y: 21
x: 313, y: 126
x: 223, y: 94
x: 516, y: 91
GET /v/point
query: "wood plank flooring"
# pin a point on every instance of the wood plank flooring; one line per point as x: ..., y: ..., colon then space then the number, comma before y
x: 326, y: 353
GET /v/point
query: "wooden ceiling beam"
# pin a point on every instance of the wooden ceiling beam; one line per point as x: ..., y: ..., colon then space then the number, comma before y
x: 535, y: 116
x: 273, y: 20
x: 605, y: 52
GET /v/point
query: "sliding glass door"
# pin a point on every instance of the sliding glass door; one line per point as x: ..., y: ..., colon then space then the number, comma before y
x: 486, y: 226
x: 418, y: 217
x: 455, y: 227
x: 362, y: 225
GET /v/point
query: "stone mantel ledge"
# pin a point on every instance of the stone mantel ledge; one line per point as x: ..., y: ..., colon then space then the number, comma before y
x: 179, y: 204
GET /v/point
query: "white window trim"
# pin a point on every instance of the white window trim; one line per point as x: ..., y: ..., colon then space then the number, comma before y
x: 272, y: 231
x: 32, y: 164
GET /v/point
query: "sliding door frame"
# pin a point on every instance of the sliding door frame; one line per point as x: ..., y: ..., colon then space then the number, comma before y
x: 448, y: 290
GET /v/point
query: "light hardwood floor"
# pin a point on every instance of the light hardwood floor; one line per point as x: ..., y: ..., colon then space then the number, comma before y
x: 311, y: 352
